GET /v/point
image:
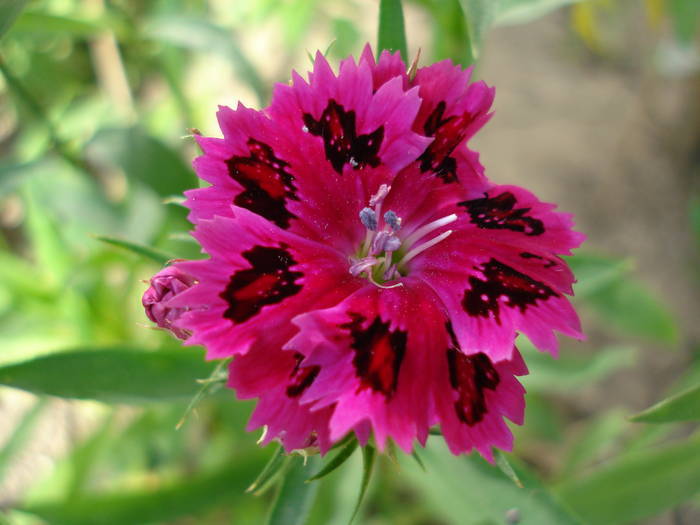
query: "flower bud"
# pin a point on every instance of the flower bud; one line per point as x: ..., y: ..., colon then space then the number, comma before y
x: 165, y: 285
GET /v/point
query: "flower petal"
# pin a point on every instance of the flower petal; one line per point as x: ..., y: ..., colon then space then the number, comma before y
x: 257, y: 277
x: 452, y: 111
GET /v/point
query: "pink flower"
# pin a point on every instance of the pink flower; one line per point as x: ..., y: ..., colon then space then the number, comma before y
x: 363, y: 271
x: 165, y: 285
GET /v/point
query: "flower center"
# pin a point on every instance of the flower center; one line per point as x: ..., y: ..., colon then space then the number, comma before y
x: 385, y: 252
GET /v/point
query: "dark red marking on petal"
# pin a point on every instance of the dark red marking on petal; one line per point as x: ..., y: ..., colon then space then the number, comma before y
x: 449, y: 133
x: 268, y: 281
x: 548, y: 263
x: 499, y: 213
x: 470, y: 375
x: 302, y: 376
x: 502, y: 284
x: 378, y: 354
x: 343, y: 146
x: 266, y: 183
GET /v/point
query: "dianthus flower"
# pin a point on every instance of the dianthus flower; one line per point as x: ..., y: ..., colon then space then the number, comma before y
x: 363, y: 272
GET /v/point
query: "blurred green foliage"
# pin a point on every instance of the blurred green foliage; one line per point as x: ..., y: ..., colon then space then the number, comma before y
x: 97, y: 99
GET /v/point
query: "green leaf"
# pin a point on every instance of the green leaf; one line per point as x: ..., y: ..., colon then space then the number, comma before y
x: 148, y: 252
x: 20, y: 435
x: 270, y: 472
x: 596, y: 439
x: 368, y: 457
x: 9, y: 11
x: 479, y: 15
x: 143, y: 158
x: 467, y: 490
x: 43, y: 23
x: 392, y: 34
x: 681, y: 407
x: 522, y: 11
x: 571, y: 370
x: 209, y: 386
x: 201, y: 35
x: 632, y: 308
x: 505, y: 466
x: 113, y: 375
x: 294, y: 498
x: 595, y: 272
x: 685, y: 15
x: 637, y: 486
x: 340, y: 458
x: 190, y: 495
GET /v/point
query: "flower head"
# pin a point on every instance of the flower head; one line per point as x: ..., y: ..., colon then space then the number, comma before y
x: 364, y: 273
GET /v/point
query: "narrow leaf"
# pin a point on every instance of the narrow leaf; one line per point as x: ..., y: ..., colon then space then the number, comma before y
x: 681, y: 407
x: 209, y: 385
x: 479, y: 15
x: 368, y: 457
x: 505, y: 466
x: 295, y: 498
x: 340, y: 458
x: 112, y: 375
x: 148, y: 252
x: 9, y: 10
x: 392, y: 34
x: 190, y: 495
x: 419, y: 461
x: 269, y: 472
x: 637, y: 486
x: 469, y: 491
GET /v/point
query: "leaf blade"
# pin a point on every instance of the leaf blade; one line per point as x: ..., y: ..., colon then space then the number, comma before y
x: 148, y: 252
x: 392, y: 33
x: 117, y: 374
x: 684, y: 406
x: 637, y: 486
x: 295, y: 498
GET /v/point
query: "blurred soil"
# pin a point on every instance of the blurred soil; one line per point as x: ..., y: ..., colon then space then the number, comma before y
x: 614, y: 143
x: 618, y: 145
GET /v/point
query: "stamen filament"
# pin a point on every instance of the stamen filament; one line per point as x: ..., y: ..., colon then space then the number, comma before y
x: 425, y: 230
x: 421, y: 248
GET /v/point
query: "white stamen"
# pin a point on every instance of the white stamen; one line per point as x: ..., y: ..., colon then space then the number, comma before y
x: 362, y: 265
x: 375, y: 283
x: 421, y: 248
x: 305, y: 129
x: 425, y: 230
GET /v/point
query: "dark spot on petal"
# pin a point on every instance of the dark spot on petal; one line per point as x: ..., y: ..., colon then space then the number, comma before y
x: 268, y: 281
x: 499, y: 213
x: 343, y: 146
x: 502, y: 285
x: 470, y: 375
x: 449, y: 133
x: 267, y: 185
x: 378, y: 354
x: 301, y: 376
x: 548, y: 263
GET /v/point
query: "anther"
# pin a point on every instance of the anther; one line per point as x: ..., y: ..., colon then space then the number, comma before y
x: 393, y: 220
x: 385, y: 242
x: 368, y: 218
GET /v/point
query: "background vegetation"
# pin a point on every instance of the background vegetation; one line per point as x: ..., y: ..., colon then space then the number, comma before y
x: 97, y: 99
